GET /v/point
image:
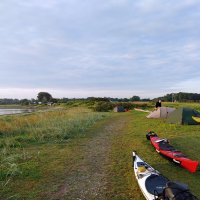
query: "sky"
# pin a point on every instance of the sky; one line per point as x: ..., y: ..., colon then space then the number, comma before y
x: 101, y: 48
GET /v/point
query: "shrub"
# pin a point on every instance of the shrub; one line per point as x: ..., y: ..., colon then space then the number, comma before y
x: 103, y: 106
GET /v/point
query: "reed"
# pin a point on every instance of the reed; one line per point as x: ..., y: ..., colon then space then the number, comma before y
x: 57, y: 126
x: 21, y: 132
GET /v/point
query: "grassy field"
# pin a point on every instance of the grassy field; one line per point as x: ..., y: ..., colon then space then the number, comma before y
x: 53, y: 155
x: 33, y: 146
x: 184, y: 138
x: 177, y: 105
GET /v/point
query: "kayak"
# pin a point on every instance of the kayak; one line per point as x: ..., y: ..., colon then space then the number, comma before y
x: 155, y: 186
x: 163, y: 147
x: 150, y: 181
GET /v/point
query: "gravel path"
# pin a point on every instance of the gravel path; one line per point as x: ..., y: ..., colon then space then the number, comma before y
x: 88, y: 179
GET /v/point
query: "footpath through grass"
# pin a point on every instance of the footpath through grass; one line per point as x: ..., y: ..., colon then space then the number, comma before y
x: 94, y: 164
x: 34, y: 149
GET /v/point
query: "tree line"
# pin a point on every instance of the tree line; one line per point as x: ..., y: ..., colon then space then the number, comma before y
x: 181, y: 97
x: 45, y: 97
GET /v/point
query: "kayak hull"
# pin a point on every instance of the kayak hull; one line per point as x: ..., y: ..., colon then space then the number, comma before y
x: 150, y: 181
x: 163, y: 147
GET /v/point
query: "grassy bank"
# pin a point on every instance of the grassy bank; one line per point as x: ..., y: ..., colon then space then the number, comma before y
x: 49, y: 155
x: 32, y: 147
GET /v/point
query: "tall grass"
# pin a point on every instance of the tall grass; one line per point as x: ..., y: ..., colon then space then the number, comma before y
x: 20, y: 132
x: 57, y: 126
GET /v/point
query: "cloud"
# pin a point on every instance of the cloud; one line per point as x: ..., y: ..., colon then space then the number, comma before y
x: 21, y: 93
x: 188, y: 85
x: 100, y: 46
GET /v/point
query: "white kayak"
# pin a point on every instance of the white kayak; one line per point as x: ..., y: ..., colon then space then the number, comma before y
x: 150, y: 181
x: 155, y: 186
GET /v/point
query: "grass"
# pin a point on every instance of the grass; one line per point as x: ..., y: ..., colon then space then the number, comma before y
x: 38, y: 151
x: 184, y: 138
x: 27, y: 141
x: 177, y: 105
x: 54, y: 126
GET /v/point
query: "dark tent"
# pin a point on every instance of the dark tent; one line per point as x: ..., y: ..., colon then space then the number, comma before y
x: 184, y: 116
x: 119, y: 109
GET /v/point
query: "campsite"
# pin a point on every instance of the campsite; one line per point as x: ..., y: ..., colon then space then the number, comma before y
x: 82, y: 83
x: 76, y: 153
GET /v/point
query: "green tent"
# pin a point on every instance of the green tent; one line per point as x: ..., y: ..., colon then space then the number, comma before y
x: 184, y: 116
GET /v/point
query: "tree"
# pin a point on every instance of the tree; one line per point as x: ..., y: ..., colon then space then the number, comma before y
x: 24, y: 102
x: 44, y: 97
x: 135, y: 98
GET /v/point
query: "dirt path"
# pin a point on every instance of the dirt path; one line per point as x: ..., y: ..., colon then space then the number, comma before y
x: 88, y: 180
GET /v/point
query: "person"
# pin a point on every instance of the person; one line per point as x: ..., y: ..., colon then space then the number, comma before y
x: 158, y: 104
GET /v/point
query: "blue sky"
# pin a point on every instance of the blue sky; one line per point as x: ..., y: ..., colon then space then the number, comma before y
x: 112, y: 48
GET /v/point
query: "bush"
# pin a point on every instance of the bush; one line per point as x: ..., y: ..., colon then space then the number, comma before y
x: 126, y: 105
x: 103, y: 106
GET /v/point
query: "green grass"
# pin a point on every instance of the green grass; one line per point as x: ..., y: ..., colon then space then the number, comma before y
x: 36, y: 156
x: 177, y: 105
x: 54, y: 126
x: 184, y: 138
x: 21, y: 160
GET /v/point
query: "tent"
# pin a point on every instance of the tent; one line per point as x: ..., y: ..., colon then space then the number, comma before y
x: 119, y: 109
x: 161, y: 112
x: 184, y: 116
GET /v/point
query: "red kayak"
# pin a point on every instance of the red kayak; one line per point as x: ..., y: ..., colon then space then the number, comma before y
x: 163, y: 147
